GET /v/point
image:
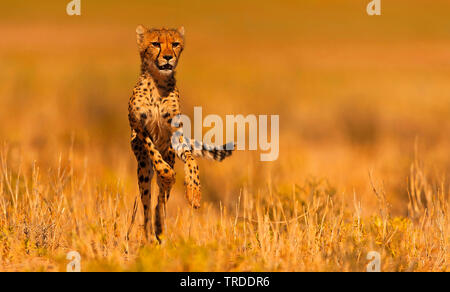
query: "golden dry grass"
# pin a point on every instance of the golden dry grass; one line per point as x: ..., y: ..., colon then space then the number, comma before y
x: 364, y: 161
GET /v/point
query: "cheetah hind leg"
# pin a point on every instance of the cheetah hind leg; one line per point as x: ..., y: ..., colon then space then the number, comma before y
x: 145, y: 175
x: 160, y: 213
x: 164, y: 194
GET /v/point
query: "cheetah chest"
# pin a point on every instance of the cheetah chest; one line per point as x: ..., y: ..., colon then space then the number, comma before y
x: 159, y: 130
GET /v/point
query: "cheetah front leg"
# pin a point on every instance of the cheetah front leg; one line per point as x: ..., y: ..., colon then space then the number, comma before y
x: 170, y: 111
x: 148, y: 156
x: 164, y: 171
x: 191, y: 178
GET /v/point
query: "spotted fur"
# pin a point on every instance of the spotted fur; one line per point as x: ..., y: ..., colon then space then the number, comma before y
x: 152, y: 108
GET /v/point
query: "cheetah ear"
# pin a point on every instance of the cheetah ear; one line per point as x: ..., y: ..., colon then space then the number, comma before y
x: 181, y: 30
x: 140, y: 29
x: 140, y: 32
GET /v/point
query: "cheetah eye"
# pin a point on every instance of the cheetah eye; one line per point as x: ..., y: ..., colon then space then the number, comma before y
x: 175, y: 44
x: 156, y: 44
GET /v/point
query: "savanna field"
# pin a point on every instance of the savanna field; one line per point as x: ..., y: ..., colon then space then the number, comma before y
x: 364, y: 164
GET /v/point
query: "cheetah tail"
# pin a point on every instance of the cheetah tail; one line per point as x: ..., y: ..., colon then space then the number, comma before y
x: 217, y: 153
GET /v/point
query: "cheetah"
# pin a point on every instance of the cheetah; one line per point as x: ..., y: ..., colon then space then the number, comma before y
x: 156, y: 137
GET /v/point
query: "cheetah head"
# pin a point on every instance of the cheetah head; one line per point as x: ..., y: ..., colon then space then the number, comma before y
x: 160, y: 49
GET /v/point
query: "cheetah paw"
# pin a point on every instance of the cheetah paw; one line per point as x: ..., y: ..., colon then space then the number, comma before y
x: 167, y: 175
x: 193, y: 195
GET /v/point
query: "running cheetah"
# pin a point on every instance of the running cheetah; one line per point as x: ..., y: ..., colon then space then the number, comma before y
x: 156, y: 135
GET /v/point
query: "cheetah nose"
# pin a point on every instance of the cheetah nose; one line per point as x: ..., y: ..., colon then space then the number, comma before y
x: 168, y: 57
